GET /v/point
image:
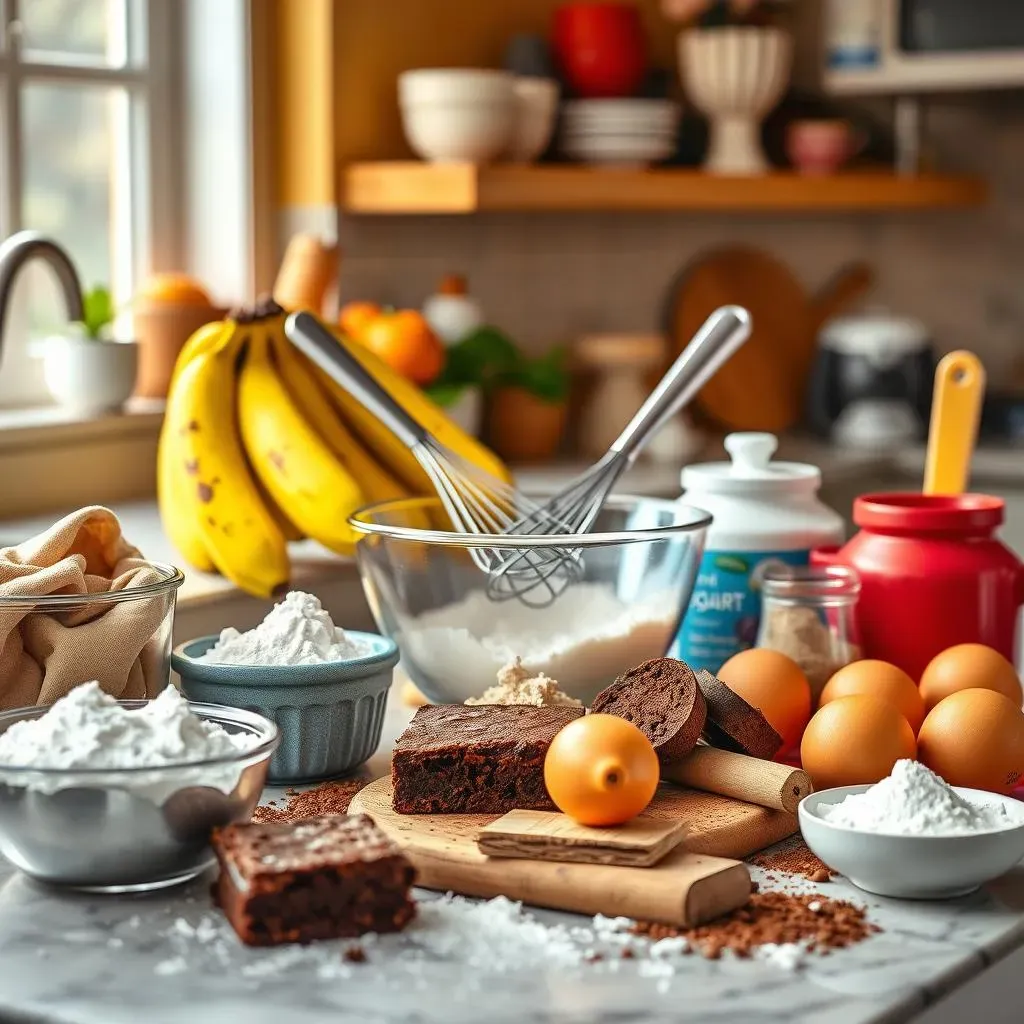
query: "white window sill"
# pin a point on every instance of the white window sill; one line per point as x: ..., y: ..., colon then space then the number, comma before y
x: 53, y: 424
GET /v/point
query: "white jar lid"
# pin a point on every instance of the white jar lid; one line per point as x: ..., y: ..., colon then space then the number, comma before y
x: 876, y: 336
x: 751, y: 470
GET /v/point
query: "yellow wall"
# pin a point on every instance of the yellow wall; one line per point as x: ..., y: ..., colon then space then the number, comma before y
x: 303, y: 72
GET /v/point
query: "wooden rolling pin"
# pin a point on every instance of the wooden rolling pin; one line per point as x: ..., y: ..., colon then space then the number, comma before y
x: 308, y: 271
x: 750, y: 779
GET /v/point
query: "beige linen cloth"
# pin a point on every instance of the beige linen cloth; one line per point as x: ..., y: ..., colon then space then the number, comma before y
x: 46, y: 651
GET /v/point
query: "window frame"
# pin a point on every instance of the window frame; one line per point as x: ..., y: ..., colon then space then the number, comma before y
x: 153, y: 136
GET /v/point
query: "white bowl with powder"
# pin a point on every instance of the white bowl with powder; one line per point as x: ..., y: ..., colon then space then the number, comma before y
x: 912, y: 836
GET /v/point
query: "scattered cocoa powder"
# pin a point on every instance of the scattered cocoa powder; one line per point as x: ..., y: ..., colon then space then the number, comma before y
x: 327, y: 798
x: 354, y: 955
x: 772, y: 917
x: 794, y: 859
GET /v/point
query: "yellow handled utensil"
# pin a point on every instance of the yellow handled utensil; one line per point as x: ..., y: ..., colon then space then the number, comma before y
x: 956, y: 412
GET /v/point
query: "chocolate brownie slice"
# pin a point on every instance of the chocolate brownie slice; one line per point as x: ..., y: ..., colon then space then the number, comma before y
x: 331, y: 877
x: 480, y: 759
x: 662, y: 699
x: 733, y: 724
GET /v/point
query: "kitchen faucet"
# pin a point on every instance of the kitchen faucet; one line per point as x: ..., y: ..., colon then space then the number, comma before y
x: 24, y: 246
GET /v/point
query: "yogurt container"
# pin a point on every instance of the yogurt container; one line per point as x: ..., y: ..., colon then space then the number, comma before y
x: 766, y: 515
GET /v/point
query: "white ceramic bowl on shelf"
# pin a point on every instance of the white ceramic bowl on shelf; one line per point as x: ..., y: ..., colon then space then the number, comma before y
x: 457, y: 114
x: 909, y: 866
x: 627, y: 116
x: 536, y: 108
x: 618, y: 150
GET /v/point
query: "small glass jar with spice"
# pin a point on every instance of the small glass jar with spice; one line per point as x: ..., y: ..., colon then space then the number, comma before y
x: 809, y: 614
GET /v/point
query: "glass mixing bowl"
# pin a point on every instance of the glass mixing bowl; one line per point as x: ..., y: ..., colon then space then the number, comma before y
x: 638, y: 567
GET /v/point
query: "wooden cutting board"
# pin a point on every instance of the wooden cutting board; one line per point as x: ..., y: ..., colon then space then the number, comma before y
x: 694, y: 883
x: 762, y: 386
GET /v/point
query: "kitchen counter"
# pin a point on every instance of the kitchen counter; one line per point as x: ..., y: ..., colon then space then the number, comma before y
x: 78, y: 959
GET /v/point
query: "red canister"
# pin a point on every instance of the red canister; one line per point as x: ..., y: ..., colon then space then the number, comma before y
x: 600, y: 48
x: 933, y: 574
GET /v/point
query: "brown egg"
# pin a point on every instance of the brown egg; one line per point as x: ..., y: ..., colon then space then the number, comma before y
x: 878, y: 679
x: 854, y: 740
x: 775, y: 685
x: 975, y: 738
x: 968, y: 667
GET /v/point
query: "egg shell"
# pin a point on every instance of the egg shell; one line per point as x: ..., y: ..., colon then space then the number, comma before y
x: 878, y: 679
x: 968, y: 667
x: 775, y: 684
x: 975, y: 738
x: 855, y: 740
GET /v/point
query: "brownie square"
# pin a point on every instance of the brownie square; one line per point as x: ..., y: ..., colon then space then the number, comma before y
x: 733, y: 724
x: 330, y: 877
x: 481, y: 759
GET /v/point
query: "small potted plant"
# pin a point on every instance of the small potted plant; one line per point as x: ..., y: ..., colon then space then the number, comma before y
x: 735, y: 65
x: 529, y: 408
x: 86, y: 369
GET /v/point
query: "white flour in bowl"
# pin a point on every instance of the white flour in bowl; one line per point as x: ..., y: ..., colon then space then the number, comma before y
x: 88, y: 731
x: 297, y: 631
x: 912, y: 800
x: 584, y: 640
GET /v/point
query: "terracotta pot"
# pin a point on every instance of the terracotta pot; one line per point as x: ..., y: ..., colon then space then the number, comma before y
x: 523, y: 427
x: 161, y: 331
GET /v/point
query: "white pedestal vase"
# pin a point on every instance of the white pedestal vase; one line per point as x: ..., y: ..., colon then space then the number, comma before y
x: 734, y: 76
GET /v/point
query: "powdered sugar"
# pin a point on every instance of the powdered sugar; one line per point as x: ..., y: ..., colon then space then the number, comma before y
x: 297, y: 631
x: 517, y: 686
x: 587, y: 637
x: 913, y: 800
x: 88, y: 730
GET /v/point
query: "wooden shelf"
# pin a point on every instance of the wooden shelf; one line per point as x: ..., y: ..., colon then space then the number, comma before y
x: 420, y: 188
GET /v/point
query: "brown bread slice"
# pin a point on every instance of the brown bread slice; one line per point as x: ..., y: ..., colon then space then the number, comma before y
x: 733, y: 724
x: 662, y: 699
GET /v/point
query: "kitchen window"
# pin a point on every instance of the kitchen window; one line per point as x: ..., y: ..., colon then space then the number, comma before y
x: 88, y: 154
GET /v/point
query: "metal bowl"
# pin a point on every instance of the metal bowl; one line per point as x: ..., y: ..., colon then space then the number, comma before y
x: 639, y: 565
x: 135, y: 829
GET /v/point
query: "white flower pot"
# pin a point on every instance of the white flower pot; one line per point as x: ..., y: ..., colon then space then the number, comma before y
x: 467, y: 411
x: 87, y: 376
x: 734, y: 76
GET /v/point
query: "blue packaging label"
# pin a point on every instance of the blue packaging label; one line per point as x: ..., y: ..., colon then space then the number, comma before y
x: 725, y: 609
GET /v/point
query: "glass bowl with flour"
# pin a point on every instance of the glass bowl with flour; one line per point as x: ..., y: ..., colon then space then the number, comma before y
x: 121, y: 796
x: 425, y: 592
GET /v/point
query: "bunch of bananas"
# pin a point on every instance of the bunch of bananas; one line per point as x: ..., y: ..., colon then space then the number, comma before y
x: 260, y: 447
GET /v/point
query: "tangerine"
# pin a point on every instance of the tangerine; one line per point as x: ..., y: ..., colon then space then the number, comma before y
x: 405, y: 342
x: 601, y: 770
x: 356, y: 316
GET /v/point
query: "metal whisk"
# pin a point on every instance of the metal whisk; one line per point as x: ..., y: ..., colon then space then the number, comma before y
x: 574, y: 509
x: 476, y: 502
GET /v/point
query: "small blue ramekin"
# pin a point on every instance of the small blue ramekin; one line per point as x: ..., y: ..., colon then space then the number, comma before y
x: 330, y: 715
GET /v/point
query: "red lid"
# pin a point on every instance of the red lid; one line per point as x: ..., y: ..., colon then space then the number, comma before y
x: 927, y: 513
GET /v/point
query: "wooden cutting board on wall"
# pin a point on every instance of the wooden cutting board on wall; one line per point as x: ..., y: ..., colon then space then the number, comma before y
x: 762, y: 386
x: 696, y: 882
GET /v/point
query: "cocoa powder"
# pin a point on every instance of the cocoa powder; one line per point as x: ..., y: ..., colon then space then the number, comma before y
x: 818, y: 923
x: 795, y: 859
x: 327, y: 798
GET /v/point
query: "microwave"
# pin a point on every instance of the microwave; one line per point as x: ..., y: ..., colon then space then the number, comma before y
x: 922, y: 46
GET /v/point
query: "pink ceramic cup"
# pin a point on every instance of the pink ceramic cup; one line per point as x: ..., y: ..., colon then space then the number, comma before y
x: 821, y: 147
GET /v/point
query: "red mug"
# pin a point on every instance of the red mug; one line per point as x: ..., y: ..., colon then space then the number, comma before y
x: 933, y: 574
x: 600, y: 48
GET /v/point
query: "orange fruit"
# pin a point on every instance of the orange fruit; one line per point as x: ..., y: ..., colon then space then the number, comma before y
x: 173, y: 290
x: 968, y: 667
x: 405, y: 342
x: 355, y: 316
x: 878, y: 679
x: 854, y: 740
x: 775, y: 685
x: 601, y: 770
x: 975, y: 738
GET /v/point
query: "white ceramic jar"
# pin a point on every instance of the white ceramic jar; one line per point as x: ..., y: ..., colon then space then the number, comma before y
x: 765, y: 514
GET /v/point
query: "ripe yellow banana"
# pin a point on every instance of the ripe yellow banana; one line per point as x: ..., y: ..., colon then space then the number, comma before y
x: 206, y: 477
x: 183, y: 530
x: 389, y: 450
x: 293, y: 463
x: 297, y: 373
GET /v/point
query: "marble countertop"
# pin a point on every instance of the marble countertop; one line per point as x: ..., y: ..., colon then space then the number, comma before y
x: 169, y: 958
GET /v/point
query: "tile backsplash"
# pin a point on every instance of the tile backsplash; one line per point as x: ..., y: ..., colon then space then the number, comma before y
x: 546, y: 278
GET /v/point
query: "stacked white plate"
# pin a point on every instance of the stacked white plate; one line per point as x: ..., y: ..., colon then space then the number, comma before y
x: 619, y: 132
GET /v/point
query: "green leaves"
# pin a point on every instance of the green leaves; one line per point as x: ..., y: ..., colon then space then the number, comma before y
x: 98, y: 311
x: 489, y: 359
